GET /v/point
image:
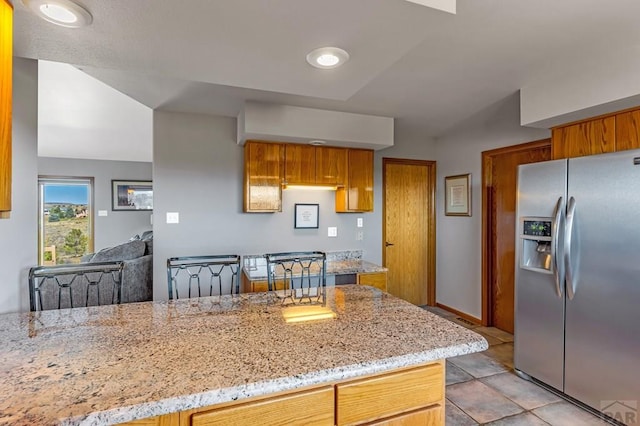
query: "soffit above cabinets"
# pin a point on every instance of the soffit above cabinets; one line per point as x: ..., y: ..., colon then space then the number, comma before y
x: 285, y: 123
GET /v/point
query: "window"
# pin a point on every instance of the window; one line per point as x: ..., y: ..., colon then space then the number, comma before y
x: 65, y: 219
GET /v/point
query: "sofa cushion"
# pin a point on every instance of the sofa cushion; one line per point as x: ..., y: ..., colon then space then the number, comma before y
x: 126, y: 251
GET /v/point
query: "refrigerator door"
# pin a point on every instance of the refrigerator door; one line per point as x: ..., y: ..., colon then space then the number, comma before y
x: 539, y: 304
x: 602, y: 309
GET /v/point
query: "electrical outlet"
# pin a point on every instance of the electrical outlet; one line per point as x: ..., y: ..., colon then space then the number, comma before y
x: 359, y: 236
x: 332, y: 231
x: 173, y: 217
x: 360, y: 222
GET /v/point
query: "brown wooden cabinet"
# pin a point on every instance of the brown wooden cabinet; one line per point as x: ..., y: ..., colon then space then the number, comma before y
x: 315, y: 165
x: 586, y: 138
x: 628, y: 130
x: 6, y: 67
x: 312, y: 408
x: 609, y: 133
x: 331, y: 166
x: 263, y: 173
x: 374, y: 279
x: 406, y: 396
x: 357, y: 194
x: 269, y: 165
x: 299, y: 164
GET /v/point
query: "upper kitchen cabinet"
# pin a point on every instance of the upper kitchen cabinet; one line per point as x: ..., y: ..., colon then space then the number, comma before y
x: 331, y: 166
x: 6, y: 55
x: 590, y: 137
x: 357, y: 194
x: 628, y: 130
x: 263, y: 174
x: 314, y: 165
x: 299, y: 164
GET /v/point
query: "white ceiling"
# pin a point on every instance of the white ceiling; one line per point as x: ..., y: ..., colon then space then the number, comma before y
x: 429, y: 69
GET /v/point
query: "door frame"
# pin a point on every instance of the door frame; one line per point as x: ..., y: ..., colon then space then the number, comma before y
x: 431, y: 221
x: 487, y: 215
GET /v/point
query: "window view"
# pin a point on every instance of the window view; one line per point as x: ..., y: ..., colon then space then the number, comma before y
x: 66, y: 231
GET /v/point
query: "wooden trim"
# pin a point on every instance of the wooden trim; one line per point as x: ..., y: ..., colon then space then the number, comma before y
x: 597, y: 117
x: 6, y: 105
x: 487, y: 243
x: 431, y: 225
x: 461, y: 314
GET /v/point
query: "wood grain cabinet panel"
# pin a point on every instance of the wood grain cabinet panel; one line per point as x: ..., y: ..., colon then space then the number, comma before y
x: 428, y: 417
x: 299, y: 164
x: 628, y: 130
x: 388, y: 395
x: 357, y: 194
x: 375, y: 279
x: 263, y: 174
x: 6, y: 67
x: 172, y: 419
x: 586, y: 138
x: 311, y: 408
x: 331, y: 166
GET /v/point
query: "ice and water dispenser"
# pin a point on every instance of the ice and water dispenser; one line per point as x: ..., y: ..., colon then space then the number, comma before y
x: 535, y: 236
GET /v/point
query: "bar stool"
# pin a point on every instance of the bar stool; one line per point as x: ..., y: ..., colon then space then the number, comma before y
x: 220, y: 271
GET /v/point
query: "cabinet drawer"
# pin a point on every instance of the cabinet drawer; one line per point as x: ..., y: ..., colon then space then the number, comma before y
x: 433, y: 416
x: 313, y: 407
x: 384, y: 396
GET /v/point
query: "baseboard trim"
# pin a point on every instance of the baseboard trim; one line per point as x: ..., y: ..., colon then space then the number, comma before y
x: 468, y: 317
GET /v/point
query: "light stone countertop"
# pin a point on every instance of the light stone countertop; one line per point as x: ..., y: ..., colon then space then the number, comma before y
x: 256, y: 270
x: 111, y: 364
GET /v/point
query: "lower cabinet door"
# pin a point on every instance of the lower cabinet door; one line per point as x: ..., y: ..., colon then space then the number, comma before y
x: 433, y: 416
x: 384, y: 396
x: 310, y: 408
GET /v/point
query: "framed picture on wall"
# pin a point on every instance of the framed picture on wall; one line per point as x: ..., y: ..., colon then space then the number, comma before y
x: 306, y: 216
x: 457, y: 195
x: 131, y: 195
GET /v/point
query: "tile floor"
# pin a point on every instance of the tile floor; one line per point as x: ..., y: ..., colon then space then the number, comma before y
x: 482, y: 388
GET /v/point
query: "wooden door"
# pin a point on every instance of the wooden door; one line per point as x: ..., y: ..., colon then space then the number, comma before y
x: 586, y: 138
x: 628, y: 130
x: 500, y: 171
x: 409, y: 229
x: 300, y: 164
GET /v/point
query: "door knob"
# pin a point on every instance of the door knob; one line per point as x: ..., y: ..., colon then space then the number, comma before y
x: 388, y: 244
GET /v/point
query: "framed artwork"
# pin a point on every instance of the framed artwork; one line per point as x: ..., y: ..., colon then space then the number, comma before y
x: 131, y: 195
x: 457, y: 195
x: 306, y: 216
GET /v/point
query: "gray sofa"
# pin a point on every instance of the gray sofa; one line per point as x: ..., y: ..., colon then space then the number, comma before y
x: 137, y: 274
x: 67, y: 286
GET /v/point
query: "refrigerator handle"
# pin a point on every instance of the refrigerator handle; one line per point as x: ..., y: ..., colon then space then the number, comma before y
x: 572, y: 278
x: 558, y: 269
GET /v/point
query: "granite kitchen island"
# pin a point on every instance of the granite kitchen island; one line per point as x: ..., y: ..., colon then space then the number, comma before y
x: 114, y: 364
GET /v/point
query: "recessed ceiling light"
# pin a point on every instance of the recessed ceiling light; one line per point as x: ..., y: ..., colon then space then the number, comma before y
x: 317, y: 142
x: 327, y: 57
x: 60, y: 12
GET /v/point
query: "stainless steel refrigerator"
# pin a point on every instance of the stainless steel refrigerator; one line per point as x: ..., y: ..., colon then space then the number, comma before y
x: 577, y: 307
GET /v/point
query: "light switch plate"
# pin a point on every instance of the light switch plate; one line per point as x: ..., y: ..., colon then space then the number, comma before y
x: 173, y: 217
x: 360, y: 222
x: 332, y: 231
x: 103, y: 213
